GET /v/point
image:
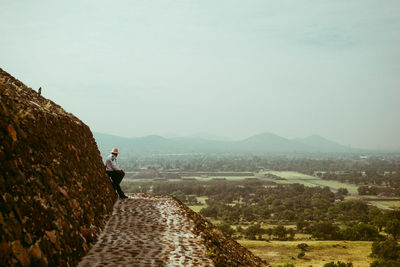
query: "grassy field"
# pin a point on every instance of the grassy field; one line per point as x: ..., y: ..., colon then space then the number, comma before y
x: 196, y: 208
x: 318, y: 253
x: 307, y: 180
x: 229, y: 178
x: 390, y: 204
x: 202, y: 200
x: 291, y: 178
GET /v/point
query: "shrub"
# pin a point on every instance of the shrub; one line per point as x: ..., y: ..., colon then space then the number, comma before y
x: 302, y: 246
x: 385, y: 263
x: 226, y: 228
x: 301, y: 255
x: 252, y: 231
x: 386, y: 250
x: 326, y: 231
x: 361, y: 232
x: 338, y: 264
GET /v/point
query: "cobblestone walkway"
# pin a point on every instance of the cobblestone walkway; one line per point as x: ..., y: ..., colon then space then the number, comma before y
x: 147, y: 231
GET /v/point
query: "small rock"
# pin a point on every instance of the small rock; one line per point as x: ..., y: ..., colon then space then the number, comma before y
x: 88, y: 234
x: 35, y: 252
x: 52, y: 236
x: 4, y: 252
x: 63, y: 191
x: 12, y: 132
x: 20, y: 253
x: 28, y: 238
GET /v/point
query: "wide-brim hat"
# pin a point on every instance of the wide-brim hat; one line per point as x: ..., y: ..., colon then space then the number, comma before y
x: 115, y: 151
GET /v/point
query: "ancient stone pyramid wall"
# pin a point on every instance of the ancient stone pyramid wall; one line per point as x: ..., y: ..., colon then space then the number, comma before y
x: 55, y: 195
x: 150, y: 230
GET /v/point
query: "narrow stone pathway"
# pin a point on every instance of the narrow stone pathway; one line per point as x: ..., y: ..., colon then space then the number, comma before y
x: 148, y: 231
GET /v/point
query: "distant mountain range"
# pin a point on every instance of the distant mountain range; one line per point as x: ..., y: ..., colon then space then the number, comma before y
x: 262, y: 143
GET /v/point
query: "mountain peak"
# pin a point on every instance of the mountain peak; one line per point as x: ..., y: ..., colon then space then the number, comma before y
x: 265, y: 142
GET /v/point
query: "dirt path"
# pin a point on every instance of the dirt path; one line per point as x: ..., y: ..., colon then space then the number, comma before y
x: 148, y: 231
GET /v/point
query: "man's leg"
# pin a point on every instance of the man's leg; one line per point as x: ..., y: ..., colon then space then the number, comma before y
x: 121, y: 175
x: 116, y: 177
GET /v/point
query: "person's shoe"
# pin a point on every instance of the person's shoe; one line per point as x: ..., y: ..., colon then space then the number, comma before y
x: 123, y: 196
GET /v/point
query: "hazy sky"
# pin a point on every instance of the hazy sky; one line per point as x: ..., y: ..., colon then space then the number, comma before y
x: 226, y: 67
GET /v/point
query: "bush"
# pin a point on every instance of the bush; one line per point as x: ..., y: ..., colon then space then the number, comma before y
x: 302, y: 246
x: 385, y: 263
x: 338, y: 264
x: 386, y: 250
x: 226, y: 228
x: 252, y: 231
x: 326, y: 231
x: 210, y: 211
x: 280, y: 232
x: 301, y: 255
x: 361, y: 232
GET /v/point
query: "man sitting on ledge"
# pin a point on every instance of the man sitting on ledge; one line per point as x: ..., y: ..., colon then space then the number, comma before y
x: 115, y: 172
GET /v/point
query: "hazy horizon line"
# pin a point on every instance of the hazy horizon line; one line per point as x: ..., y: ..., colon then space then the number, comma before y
x: 228, y: 139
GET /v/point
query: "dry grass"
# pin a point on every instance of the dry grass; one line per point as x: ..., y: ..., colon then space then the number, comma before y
x: 319, y: 252
x: 390, y: 204
x: 196, y: 208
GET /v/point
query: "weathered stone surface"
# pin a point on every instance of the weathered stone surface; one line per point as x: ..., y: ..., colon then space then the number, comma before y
x: 52, y: 236
x: 147, y: 230
x: 52, y: 181
x: 35, y: 252
x: 20, y: 253
x: 223, y: 250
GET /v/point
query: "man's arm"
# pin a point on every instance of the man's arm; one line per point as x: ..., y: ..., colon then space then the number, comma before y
x: 114, y: 165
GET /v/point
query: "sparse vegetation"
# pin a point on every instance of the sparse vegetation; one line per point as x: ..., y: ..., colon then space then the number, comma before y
x: 263, y: 207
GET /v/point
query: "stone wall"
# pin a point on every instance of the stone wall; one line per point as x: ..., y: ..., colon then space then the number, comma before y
x: 55, y: 195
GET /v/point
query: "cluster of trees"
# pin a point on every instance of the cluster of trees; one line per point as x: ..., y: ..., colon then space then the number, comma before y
x: 375, y: 175
x: 371, y: 182
x: 309, y: 164
x: 329, y: 231
x: 255, y: 231
x: 387, y: 252
x: 314, y: 210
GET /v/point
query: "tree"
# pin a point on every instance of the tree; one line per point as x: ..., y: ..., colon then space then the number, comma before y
x: 302, y: 225
x: 343, y: 191
x: 393, y: 228
x: 252, y: 231
x: 269, y: 232
x: 385, y: 263
x: 288, y: 215
x: 226, y: 228
x: 387, y: 250
x: 377, y: 218
x: 326, y: 231
x: 280, y: 232
x: 209, y: 211
x: 367, y: 190
x: 291, y: 233
x: 361, y: 232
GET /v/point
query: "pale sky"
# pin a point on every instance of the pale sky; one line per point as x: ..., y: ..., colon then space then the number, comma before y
x: 225, y: 67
